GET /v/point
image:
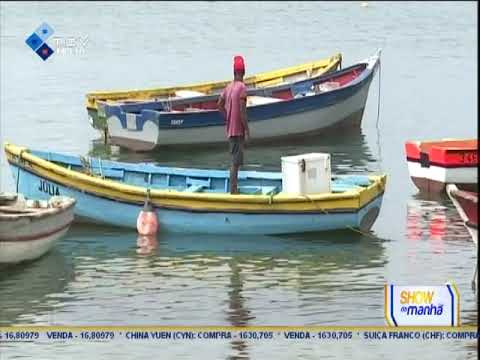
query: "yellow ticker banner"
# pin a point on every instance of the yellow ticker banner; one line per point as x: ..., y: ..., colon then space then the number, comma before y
x: 48, y: 334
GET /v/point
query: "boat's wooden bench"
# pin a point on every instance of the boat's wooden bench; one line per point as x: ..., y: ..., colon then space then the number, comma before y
x: 197, y: 185
x: 349, y: 182
x: 109, y: 173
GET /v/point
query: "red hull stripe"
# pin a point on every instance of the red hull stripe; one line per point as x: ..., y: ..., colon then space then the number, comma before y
x: 36, y: 236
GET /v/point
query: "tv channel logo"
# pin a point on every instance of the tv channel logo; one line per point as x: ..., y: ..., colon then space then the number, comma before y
x: 37, y: 41
x: 422, y: 305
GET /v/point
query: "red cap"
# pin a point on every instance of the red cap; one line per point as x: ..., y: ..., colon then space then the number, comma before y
x: 238, y: 64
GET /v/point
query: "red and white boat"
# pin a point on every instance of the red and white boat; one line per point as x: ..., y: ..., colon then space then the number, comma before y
x: 30, y: 228
x: 434, y: 164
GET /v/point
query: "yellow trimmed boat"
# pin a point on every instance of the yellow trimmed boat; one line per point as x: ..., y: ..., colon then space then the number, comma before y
x: 194, y: 200
x: 260, y: 80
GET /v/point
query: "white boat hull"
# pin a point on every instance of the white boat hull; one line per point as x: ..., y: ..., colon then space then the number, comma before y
x: 284, y: 126
x: 435, y: 178
x: 326, y: 110
x: 29, y: 237
x: 348, y: 111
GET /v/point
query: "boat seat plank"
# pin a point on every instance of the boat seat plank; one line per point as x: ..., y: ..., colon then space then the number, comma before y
x: 358, y: 180
x: 250, y: 190
x: 336, y: 188
x: 195, y: 188
x: 257, y: 175
x: 198, y: 182
x: 270, y: 190
x: 110, y: 173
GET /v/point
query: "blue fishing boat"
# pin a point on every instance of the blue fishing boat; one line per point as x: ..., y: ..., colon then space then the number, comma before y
x: 194, y: 200
x: 260, y: 80
x: 289, y: 110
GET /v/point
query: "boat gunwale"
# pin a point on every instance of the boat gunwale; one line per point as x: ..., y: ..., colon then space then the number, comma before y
x: 35, y: 213
x: 454, y: 193
x: 440, y: 145
x: 348, y: 85
x: 163, y: 119
x: 324, y: 77
x: 92, y: 97
x: 243, y: 211
x: 377, y: 185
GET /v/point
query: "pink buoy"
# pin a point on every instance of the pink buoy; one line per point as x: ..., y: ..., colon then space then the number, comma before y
x: 147, y: 222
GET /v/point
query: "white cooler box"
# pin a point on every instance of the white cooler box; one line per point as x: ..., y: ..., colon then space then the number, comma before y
x: 306, y: 174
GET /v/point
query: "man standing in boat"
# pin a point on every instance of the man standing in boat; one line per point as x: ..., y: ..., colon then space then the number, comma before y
x: 233, y: 105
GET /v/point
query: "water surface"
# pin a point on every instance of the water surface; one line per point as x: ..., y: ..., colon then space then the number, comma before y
x: 97, y: 276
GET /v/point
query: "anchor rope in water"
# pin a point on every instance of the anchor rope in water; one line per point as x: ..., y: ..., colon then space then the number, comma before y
x: 367, y: 234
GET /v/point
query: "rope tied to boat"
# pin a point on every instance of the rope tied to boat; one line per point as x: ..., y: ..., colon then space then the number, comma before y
x: 378, y: 114
x: 367, y: 234
x: 86, y: 165
x: 146, y: 205
x: 20, y: 157
x: 100, y: 167
x: 270, y: 198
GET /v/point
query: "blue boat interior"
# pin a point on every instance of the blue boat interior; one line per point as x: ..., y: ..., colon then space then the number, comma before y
x: 152, y: 176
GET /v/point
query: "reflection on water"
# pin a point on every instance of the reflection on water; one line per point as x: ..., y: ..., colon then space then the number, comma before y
x: 240, y: 280
x: 34, y: 289
x: 434, y: 228
x: 238, y: 313
x: 435, y: 219
x: 348, y: 148
x: 329, y: 279
x: 146, y: 244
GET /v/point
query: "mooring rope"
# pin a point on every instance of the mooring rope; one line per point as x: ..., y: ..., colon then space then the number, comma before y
x: 346, y: 227
x: 18, y: 177
x: 379, y: 147
x: 18, y: 168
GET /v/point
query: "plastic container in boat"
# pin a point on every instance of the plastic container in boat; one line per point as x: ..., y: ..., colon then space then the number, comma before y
x: 306, y: 174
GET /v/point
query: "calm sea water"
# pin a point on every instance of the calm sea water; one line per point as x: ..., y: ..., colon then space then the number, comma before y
x: 98, y: 275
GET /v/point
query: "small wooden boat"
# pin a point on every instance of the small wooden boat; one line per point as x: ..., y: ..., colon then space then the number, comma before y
x: 434, y: 164
x: 285, y: 111
x: 194, y: 200
x: 466, y: 203
x: 30, y: 228
x: 260, y: 80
